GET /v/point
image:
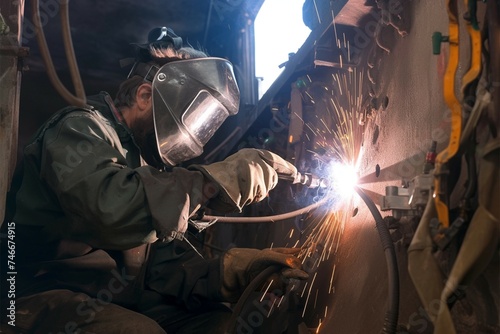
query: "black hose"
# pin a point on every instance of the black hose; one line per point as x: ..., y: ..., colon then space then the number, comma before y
x: 391, y: 315
x: 258, y: 280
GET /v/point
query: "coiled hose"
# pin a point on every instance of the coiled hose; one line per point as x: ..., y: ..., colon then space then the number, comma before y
x: 392, y: 314
x: 258, y: 280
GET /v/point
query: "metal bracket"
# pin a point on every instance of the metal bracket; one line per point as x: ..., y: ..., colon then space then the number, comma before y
x: 201, y: 225
x: 408, y: 201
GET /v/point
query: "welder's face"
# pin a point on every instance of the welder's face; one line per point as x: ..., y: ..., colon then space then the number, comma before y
x: 150, y: 149
x: 148, y: 144
x: 142, y: 126
x: 142, y: 123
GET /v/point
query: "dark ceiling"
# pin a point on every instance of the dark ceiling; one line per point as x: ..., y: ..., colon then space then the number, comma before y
x: 102, y: 31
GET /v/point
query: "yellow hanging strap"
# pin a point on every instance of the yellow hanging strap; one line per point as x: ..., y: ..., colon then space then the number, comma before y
x: 441, y: 168
x: 441, y: 172
x: 433, y: 287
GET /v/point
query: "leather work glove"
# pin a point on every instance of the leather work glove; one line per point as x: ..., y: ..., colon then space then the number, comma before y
x: 241, y: 265
x: 245, y: 177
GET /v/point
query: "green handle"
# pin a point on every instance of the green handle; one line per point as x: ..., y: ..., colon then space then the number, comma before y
x: 437, y: 39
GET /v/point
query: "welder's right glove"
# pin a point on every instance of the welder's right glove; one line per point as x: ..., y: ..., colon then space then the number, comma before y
x: 241, y: 265
x: 245, y: 177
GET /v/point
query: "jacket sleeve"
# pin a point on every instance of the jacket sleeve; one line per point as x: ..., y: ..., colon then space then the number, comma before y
x: 110, y: 205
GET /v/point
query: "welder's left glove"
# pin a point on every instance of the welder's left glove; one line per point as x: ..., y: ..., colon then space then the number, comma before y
x: 241, y: 265
x: 245, y: 177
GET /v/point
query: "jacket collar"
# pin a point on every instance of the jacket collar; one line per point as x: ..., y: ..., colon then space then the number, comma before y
x: 104, y: 104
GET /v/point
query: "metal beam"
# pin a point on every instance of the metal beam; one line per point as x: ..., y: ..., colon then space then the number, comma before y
x: 11, y: 52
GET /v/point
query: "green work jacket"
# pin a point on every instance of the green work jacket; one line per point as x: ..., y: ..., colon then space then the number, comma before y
x: 88, y: 209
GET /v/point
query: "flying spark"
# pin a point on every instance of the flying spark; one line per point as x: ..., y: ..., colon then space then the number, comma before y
x: 340, y: 134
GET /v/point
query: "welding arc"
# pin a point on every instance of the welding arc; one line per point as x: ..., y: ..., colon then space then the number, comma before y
x: 391, y: 315
x: 265, y: 219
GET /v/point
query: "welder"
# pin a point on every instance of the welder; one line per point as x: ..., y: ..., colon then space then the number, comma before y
x: 102, y: 211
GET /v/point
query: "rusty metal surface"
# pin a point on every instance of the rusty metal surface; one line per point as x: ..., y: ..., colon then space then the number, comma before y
x: 402, y: 71
x: 397, y: 139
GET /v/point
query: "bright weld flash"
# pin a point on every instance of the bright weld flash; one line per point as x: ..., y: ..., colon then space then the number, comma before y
x: 343, y: 179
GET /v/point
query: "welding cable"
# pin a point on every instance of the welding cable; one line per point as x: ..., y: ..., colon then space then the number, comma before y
x: 80, y: 100
x: 265, y: 219
x: 391, y: 316
x: 257, y: 281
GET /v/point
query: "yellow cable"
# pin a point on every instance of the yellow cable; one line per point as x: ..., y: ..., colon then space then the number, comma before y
x: 440, y: 189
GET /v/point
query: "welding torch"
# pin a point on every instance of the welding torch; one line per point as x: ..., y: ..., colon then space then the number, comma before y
x: 307, y: 179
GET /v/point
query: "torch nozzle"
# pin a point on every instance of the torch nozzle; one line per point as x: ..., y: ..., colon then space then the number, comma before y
x: 306, y: 179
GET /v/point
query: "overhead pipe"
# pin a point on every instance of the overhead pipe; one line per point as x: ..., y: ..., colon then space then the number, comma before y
x: 79, y: 99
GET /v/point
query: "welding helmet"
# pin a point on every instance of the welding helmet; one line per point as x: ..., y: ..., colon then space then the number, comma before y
x: 191, y: 99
